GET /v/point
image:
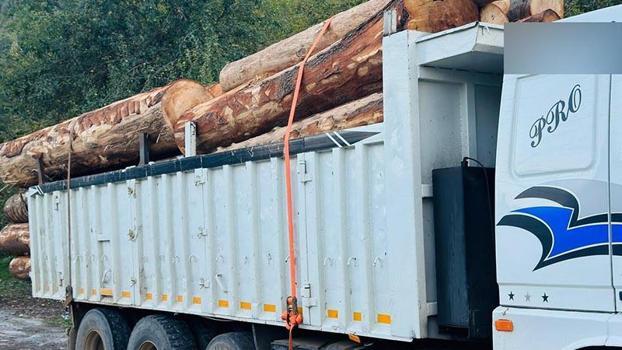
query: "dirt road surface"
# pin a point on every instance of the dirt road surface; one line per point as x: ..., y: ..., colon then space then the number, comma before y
x: 27, y: 333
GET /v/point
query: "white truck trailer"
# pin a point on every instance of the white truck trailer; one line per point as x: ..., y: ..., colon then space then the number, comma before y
x: 395, y: 222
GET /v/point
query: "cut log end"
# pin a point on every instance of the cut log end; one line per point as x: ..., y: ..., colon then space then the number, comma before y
x: 15, y: 239
x: 494, y: 13
x: 545, y: 17
x: 19, y: 267
x: 433, y: 16
x: 183, y: 95
x: 16, y: 208
x: 520, y: 9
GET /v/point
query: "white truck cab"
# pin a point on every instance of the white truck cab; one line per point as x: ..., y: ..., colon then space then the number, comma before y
x: 558, y: 206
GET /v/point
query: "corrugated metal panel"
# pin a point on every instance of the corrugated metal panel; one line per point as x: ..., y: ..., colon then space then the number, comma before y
x: 213, y: 241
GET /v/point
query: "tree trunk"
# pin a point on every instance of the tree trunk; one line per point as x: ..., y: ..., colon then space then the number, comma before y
x: 16, y: 208
x: 15, y: 239
x: 292, y: 50
x: 361, y: 112
x: 436, y: 15
x: 104, y: 139
x: 495, y: 12
x: 520, y: 9
x: 346, y: 71
x: 20, y: 267
x: 547, y: 16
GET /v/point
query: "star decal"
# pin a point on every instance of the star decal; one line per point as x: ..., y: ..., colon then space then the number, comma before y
x: 527, y: 297
x: 545, y: 298
x: 511, y: 295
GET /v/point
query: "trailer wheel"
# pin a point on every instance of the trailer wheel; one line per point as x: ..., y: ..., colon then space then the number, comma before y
x: 161, y: 332
x: 232, y: 341
x: 102, y: 329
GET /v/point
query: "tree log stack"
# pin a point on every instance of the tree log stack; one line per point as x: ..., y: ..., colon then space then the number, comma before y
x: 103, y: 139
x: 16, y: 209
x: 19, y: 267
x: 505, y: 11
x: 365, y: 111
x: 292, y: 50
x: 15, y: 239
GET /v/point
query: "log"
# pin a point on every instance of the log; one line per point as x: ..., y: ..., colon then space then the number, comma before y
x: 348, y: 70
x: 104, y: 139
x: 436, y: 15
x: 495, y: 12
x: 361, y: 112
x: 16, y: 208
x: 292, y: 50
x: 520, y: 9
x: 19, y: 267
x: 545, y: 17
x: 15, y: 239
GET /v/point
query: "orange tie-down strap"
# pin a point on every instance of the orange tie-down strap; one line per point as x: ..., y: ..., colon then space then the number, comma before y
x: 291, y: 317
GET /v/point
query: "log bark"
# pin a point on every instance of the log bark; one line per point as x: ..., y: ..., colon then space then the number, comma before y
x: 104, y: 139
x: 546, y: 17
x: 520, y: 9
x: 436, y: 15
x: 292, y: 50
x: 361, y: 112
x: 495, y: 12
x: 348, y: 70
x: 19, y: 267
x: 16, y: 208
x: 15, y: 239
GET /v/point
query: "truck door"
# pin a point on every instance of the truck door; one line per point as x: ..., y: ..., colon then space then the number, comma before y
x: 553, y: 245
x: 616, y: 184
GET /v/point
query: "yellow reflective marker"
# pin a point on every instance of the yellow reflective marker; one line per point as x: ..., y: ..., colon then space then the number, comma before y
x: 384, y: 318
x: 269, y: 307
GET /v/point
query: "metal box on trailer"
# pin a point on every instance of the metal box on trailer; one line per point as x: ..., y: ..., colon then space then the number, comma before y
x: 205, y: 235
x: 465, y: 249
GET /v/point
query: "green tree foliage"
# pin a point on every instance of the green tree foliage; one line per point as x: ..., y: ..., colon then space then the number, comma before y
x: 577, y: 7
x: 60, y: 58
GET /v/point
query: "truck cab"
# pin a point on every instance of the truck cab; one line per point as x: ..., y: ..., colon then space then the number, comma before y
x: 558, y: 205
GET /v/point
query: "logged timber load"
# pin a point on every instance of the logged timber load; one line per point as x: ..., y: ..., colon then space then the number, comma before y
x: 496, y: 12
x: 15, y: 239
x: 292, y: 50
x: 346, y: 71
x: 361, y: 112
x: 20, y: 267
x: 545, y: 17
x: 16, y: 208
x: 436, y: 15
x: 100, y: 140
x: 504, y: 11
x: 520, y: 9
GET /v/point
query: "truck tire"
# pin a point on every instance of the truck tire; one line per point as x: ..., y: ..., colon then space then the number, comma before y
x: 161, y: 332
x: 232, y: 341
x: 102, y: 329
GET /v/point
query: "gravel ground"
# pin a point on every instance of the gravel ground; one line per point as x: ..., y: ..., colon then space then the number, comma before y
x: 28, y: 324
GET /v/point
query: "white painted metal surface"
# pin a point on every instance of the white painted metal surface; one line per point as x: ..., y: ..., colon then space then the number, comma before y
x: 212, y: 241
x: 559, y: 275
